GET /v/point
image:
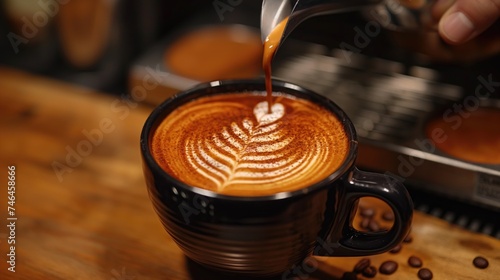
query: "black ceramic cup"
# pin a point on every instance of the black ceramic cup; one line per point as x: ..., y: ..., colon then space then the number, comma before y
x: 271, y: 235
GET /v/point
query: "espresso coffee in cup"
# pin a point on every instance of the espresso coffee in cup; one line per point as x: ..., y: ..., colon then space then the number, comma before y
x: 248, y: 191
x: 231, y: 144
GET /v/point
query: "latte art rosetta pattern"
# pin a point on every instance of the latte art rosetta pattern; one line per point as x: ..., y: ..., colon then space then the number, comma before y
x: 232, y: 148
x: 227, y: 160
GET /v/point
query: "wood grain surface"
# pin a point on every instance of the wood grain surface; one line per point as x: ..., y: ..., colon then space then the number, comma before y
x: 95, y: 220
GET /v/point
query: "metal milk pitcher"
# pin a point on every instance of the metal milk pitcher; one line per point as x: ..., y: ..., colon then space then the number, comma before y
x: 391, y: 14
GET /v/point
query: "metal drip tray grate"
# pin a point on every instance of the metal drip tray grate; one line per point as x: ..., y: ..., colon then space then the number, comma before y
x: 389, y: 104
x: 382, y: 103
x: 471, y: 217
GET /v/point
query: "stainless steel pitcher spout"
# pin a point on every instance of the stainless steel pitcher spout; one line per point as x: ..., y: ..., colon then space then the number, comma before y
x: 391, y: 14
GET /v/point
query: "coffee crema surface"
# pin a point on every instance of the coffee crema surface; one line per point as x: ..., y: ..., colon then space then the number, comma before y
x: 230, y: 144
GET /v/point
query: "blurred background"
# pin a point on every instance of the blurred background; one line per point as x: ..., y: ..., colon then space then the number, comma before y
x: 101, y: 43
x: 94, y: 43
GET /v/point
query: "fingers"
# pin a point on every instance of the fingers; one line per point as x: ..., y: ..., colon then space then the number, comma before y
x: 465, y: 19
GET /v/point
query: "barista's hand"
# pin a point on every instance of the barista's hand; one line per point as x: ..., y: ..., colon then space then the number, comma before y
x: 462, y: 20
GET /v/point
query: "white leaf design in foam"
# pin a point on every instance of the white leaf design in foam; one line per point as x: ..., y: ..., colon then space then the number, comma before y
x: 249, y: 153
x: 261, y: 113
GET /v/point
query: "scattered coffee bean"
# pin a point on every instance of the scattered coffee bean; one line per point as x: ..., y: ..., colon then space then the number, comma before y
x: 373, y: 225
x: 361, y: 265
x: 388, y: 267
x: 367, y: 212
x: 408, y: 239
x: 480, y: 262
x: 388, y: 216
x: 349, y: 276
x: 365, y: 222
x: 425, y: 274
x: 415, y: 261
x: 369, y: 272
x: 396, y: 249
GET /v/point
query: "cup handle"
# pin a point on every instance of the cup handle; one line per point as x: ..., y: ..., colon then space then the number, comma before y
x: 344, y: 240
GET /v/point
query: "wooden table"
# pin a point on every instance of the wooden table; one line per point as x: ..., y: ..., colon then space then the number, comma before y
x: 83, y: 211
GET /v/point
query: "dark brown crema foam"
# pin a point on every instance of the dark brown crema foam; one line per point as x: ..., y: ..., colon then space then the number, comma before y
x: 229, y: 144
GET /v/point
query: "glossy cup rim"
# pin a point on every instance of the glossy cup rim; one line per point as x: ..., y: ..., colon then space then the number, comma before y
x: 244, y: 85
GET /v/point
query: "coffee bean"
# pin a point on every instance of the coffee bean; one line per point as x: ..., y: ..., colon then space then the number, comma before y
x: 367, y: 212
x: 365, y: 222
x: 373, y: 225
x: 388, y: 267
x: 349, y: 276
x: 408, y: 239
x: 425, y: 274
x: 396, y: 249
x: 388, y: 216
x: 361, y: 265
x: 369, y: 272
x: 480, y: 262
x: 415, y: 261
